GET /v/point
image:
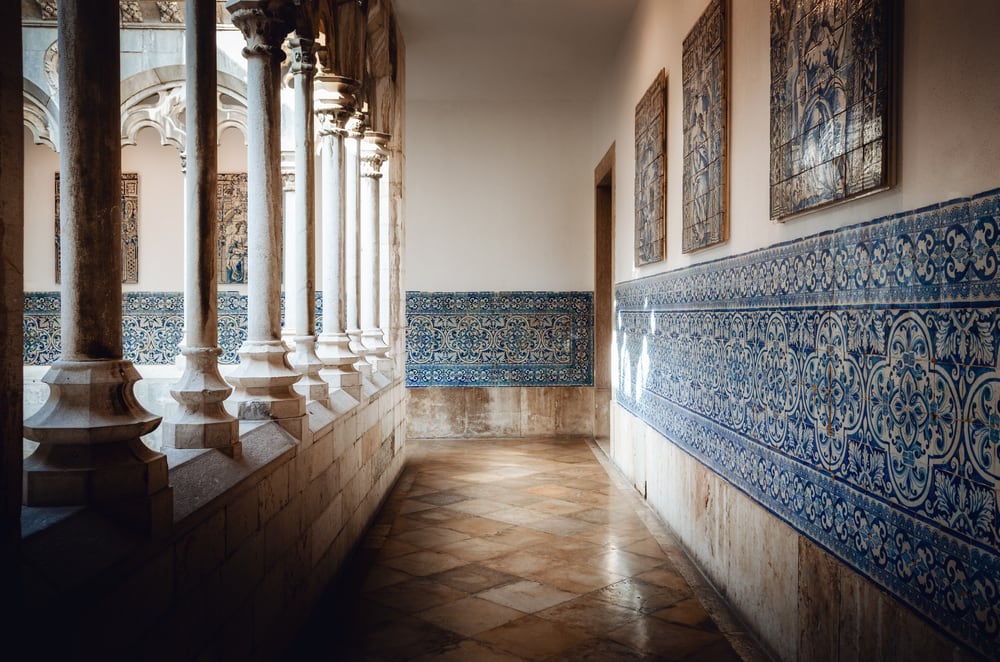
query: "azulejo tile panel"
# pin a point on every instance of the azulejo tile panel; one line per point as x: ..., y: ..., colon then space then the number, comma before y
x: 499, y: 339
x: 849, y: 383
x: 152, y: 326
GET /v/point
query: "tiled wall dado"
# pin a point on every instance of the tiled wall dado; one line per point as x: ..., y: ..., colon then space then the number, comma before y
x: 152, y: 326
x: 499, y: 364
x: 848, y: 383
x: 460, y: 339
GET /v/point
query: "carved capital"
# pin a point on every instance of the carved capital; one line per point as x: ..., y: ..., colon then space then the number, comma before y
x: 264, y: 25
x: 170, y: 12
x: 130, y: 11
x: 374, y: 152
x: 334, y: 102
x: 48, y: 8
x: 287, y: 171
x: 356, y: 125
x: 303, y: 55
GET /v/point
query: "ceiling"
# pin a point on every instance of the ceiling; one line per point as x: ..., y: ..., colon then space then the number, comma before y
x: 513, y: 50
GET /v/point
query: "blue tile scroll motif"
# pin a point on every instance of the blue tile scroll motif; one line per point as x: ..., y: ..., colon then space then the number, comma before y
x: 499, y: 339
x: 152, y: 326
x: 849, y: 383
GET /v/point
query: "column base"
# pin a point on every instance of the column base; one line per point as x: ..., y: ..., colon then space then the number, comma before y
x: 375, y: 351
x: 90, y: 451
x: 201, y: 420
x: 309, y: 366
x: 263, y: 384
x: 339, y: 363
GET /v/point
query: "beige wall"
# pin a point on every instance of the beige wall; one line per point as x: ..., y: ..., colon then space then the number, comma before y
x: 498, y: 196
x: 946, y: 129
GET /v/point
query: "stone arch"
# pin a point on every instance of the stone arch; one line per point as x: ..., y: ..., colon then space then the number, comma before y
x: 155, y: 99
x: 41, y: 116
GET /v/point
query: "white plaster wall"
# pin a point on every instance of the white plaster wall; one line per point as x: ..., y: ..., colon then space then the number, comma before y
x: 950, y: 99
x: 161, y: 210
x: 499, y: 195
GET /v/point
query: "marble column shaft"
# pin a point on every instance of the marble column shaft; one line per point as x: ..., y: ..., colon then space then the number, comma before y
x: 373, y: 155
x: 264, y: 378
x: 89, y: 428
x: 352, y: 251
x: 335, y: 100
x: 303, y: 244
x: 201, y: 420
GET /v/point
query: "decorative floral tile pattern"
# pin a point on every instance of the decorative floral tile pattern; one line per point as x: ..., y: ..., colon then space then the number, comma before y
x: 152, y: 326
x: 499, y: 339
x: 849, y: 383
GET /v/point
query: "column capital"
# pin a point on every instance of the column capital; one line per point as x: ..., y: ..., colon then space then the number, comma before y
x: 264, y: 24
x: 374, y: 152
x: 356, y: 125
x: 287, y: 171
x: 335, y: 99
x: 303, y: 55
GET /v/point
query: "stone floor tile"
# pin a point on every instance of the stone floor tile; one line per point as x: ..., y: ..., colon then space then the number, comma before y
x: 441, y: 498
x: 687, y: 612
x: 431, y: 537
x: 601, y: 650
x: 470, y: 616
x: 474, y: 578
x: 527, y: 596
x: 667, y: 640
x: 589, y: 614
x: 468, y: 650
x: 424, y: 563
x: 381, y: 576
x: 575, y: 578
x: 416, y: 594
x: 642, y: 596
x: 477, y: 549
x: 517, y: 550
x: 534, y: 638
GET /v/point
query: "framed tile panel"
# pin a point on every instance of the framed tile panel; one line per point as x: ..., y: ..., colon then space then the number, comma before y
x: 832, y: 126
x: 706, y: 125
x: 650, y: 172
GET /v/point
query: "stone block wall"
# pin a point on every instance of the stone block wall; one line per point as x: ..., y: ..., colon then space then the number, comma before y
x: 255, y: 542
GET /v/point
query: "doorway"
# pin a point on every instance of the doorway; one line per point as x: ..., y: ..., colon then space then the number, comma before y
x: 604, y: 233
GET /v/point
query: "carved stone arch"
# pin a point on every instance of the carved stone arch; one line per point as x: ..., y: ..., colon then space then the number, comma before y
x: 41, y: 116
x: 155, y: 99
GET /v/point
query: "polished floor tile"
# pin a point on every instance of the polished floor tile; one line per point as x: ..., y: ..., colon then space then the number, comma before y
x: 517, y: 550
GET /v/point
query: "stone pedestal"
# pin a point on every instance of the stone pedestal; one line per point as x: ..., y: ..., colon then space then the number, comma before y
x: 201, y: 419
x: 89, y: 429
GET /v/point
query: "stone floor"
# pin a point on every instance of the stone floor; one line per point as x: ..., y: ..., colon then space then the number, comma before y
x: 519, y: 550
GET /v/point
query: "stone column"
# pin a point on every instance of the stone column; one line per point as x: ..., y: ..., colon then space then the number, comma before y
x: 201, y: 420
x: 352, y: 203
x: 373, y: 155
x: 302, y: 287
x: 89, y: 430
x: 11, y: 290
x: 335, y: 102
x: 264, y: 378
x: 288, y: 213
